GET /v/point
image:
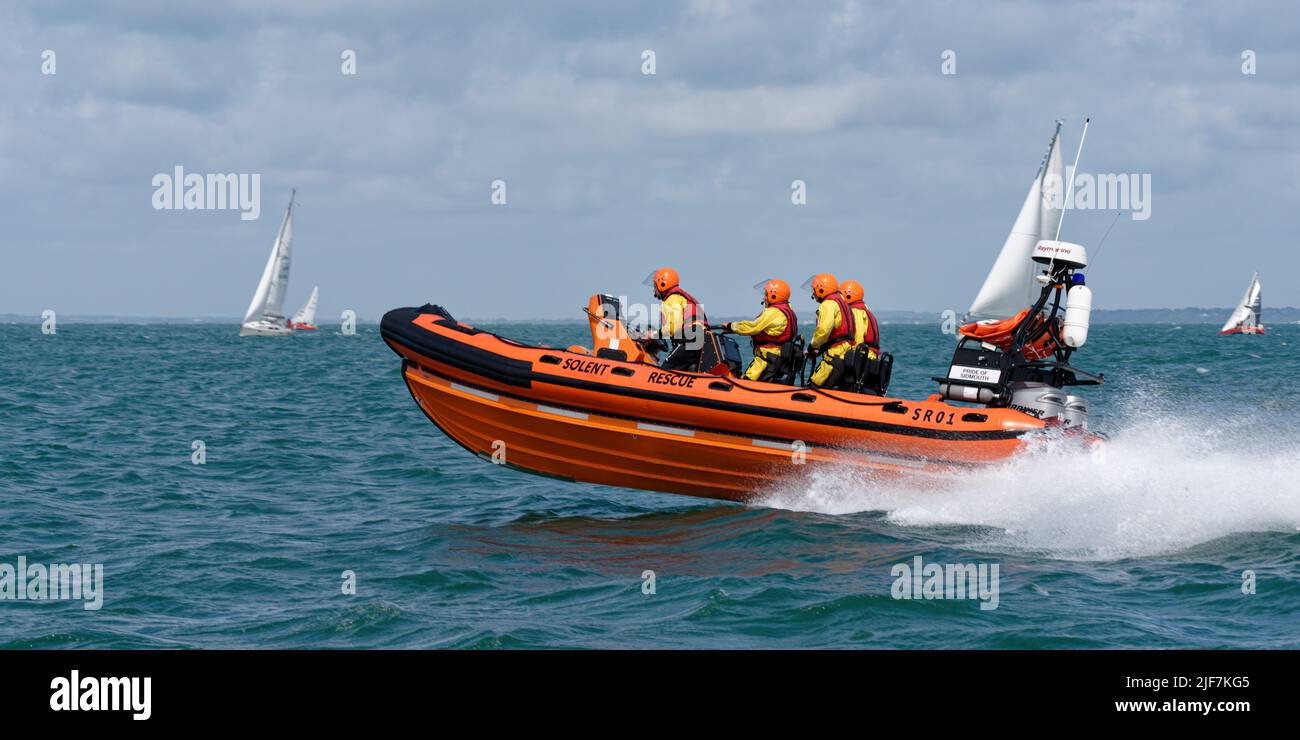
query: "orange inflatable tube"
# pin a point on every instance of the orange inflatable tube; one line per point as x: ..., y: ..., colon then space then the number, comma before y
x: 582, y: 416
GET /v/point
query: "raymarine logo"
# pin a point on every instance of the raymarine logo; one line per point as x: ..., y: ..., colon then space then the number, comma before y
x: 92, y: 694
x: 53, y: 582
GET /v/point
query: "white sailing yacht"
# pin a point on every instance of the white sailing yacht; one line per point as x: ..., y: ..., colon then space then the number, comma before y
x: 1245, y: 318
x: 265, y: 317
x: 1010, y: 286
x: 305, y: 319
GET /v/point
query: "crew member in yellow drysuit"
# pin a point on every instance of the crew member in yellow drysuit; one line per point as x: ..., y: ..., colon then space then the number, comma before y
x: 835, y: 331
x: 681, y: 320
x: 774, y: 327
x: 868, y: 332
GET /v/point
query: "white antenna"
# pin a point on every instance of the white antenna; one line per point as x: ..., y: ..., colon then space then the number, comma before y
x: 1069, y: 193
x: 1097, y: 254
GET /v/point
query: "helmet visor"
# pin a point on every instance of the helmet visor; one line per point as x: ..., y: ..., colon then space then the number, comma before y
x: 650, y: 279
x: 806, y: 285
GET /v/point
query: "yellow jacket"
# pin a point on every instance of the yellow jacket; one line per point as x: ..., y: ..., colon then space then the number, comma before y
x: 771, y: 322
x: 860, y: 323
x: 670, y: 316
x: 828, y: 317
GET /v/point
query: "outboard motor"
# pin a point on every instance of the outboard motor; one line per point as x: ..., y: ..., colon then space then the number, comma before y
x: 1076, y: 412
x: 1037, y: 399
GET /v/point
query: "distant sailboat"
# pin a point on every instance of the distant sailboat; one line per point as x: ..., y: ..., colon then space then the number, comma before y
x: 305, y: 319
x: 1245, y: 319
x: 1010, y: 286
x: 265, y: 315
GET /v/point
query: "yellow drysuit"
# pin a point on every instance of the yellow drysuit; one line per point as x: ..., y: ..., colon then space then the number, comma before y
x: 828, y: 318
x: 770, y: 323
x: 862, y: 324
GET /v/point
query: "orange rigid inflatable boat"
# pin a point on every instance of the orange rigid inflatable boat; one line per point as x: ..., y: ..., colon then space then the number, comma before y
x: 594, y: 416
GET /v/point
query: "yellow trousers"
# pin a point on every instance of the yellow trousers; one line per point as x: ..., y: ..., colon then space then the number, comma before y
x: 824, y: 369
x: 761, y: 358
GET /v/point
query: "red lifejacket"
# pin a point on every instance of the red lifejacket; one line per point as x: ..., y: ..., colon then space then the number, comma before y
x: 846, y: 330
x: 872, y: 337
x: 762, y: 341
x: 693, y: 311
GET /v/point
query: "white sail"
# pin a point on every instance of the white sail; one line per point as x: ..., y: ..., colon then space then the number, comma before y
x: 307, y: 314
x: 268, y: 299
x: 279, y: 285
x: 1009, y: 287
x: 1054, y: 194
x: 1247, y: 314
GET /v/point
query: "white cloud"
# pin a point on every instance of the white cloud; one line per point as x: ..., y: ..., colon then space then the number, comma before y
x: 394, y: 164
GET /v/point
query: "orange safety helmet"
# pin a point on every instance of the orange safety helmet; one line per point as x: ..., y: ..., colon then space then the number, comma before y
x: 852, y: 290
x: 774, y: 291
x: 822, y: 285
x: 662, y: 280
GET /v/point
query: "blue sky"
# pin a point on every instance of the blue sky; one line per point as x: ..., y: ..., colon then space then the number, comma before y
x: 913, y: 177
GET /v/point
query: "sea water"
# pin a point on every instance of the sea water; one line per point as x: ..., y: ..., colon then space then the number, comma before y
x: 326, y: 511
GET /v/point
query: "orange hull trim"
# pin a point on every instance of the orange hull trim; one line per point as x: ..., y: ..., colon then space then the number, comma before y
x: 570, y: 415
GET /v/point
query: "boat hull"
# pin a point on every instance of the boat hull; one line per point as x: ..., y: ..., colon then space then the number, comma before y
x: 1242, y: 330
x: 264, y: 329
x: 598, y: 420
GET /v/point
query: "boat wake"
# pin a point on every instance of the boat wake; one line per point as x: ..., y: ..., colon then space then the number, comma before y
x: 1160, y: 485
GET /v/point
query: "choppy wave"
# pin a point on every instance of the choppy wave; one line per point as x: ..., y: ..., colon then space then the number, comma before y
x: 1158, y: 485
x: 319, y: 463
